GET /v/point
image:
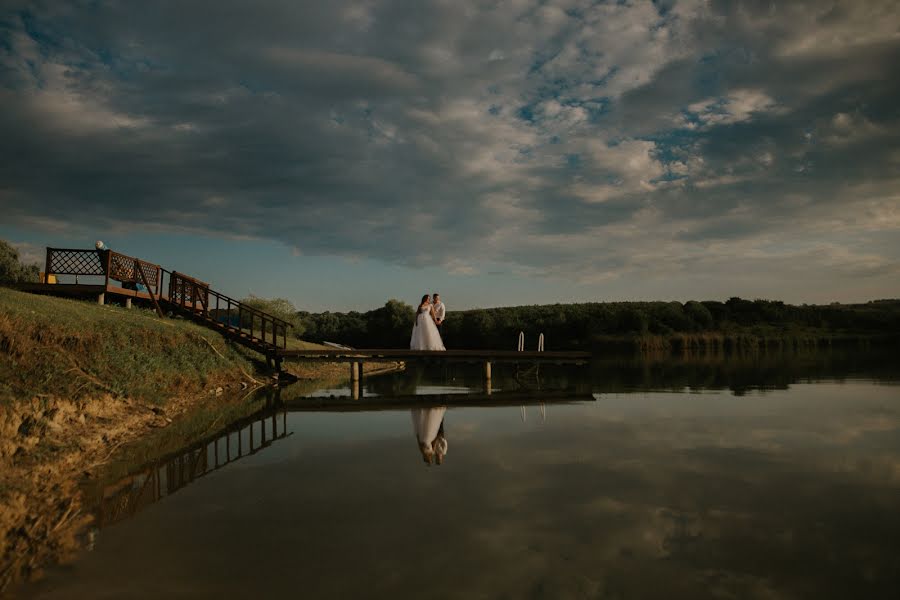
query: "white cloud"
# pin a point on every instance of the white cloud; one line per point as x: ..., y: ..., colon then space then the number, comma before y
x: 736, y: 107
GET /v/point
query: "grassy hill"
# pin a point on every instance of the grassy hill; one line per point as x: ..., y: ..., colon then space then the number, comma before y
x: 52, y: 347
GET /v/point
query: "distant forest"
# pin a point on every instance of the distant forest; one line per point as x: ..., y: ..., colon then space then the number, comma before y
x: 622, y: 325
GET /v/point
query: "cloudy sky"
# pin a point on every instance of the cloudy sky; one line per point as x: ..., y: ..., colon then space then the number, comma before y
x: 341, y: 153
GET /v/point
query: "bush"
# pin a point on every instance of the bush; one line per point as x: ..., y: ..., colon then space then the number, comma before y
x: 699, y: 314
x: 387, y: 327
x: 279, y: 308
x: 12, y: 270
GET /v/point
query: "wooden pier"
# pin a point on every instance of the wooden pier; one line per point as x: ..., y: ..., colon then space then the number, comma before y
x: 458, y: 356
x: 487, y: 358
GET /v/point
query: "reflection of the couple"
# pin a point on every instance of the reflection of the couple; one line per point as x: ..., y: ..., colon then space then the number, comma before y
x: 428, y: 424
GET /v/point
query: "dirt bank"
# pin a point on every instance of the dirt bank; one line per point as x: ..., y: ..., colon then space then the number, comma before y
x: 50, y: 447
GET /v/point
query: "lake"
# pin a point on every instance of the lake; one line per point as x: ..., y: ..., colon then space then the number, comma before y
x: 761, y: 477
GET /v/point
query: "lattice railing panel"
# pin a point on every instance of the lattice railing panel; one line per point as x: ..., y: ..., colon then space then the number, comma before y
x: 125, y: 268
x: 151, y: 272
x: 75, y: 262
x: 183, y: 291
x: 122, y: 268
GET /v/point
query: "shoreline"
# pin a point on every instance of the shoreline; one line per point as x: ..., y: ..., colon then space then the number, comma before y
x: 42, y: 509
x: 44, y: 515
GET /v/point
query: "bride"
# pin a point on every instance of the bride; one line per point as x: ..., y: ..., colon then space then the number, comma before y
x: 425, y: 334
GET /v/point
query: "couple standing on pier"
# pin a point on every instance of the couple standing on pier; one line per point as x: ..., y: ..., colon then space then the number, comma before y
x: 426, y: 333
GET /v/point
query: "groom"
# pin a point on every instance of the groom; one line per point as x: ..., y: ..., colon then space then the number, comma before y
x: 439, y: 312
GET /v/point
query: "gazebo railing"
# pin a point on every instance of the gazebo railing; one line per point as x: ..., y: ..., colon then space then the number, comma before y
x: 108, y: 264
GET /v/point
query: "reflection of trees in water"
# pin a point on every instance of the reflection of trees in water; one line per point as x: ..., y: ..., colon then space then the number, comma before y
x: 759, y: 371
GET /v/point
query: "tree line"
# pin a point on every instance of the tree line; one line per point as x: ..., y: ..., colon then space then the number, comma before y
x: 587, y: 325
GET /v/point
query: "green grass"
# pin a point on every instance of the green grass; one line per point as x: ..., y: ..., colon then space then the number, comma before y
x: 295, y: 344
x: 292, y: 342
x: 67, y: 348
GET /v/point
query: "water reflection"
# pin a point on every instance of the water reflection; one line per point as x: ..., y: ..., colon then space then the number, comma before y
x: 428, y: 425
x: 765, y: 485
x: 150, y: 483
x: 740, y: 374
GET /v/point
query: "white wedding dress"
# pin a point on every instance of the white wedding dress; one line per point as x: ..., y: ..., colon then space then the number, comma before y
x: 425, y: 334
x: 427, y: 423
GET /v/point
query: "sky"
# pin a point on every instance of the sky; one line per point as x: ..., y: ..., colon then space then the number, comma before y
x: 339, y: 154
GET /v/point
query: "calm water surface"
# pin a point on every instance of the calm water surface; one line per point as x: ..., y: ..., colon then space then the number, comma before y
x: 770, y: 478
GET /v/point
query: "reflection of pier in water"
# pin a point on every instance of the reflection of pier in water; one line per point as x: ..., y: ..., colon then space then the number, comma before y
x: 251, y: 434
x: 167, y: 475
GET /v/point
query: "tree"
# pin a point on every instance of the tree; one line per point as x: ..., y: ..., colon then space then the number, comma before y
x: 280, y: 308
x: 390, y: 325
x: 634, y: 320
x: 699, y: 314
x: 671, y: 315
x: 12, y: 270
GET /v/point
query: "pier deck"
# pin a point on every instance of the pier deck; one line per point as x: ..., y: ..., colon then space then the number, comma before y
x: 463, y: 356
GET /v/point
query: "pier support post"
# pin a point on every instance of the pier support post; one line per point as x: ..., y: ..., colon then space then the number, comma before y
x: 101, y: 299
x: 128, y: 303
x: 487, y: 377
x: 355, y: 378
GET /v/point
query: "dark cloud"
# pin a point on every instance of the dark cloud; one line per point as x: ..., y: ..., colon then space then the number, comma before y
x: 582, y: 140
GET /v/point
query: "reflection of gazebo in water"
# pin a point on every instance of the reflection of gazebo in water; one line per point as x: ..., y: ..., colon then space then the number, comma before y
x: 166, y: 476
